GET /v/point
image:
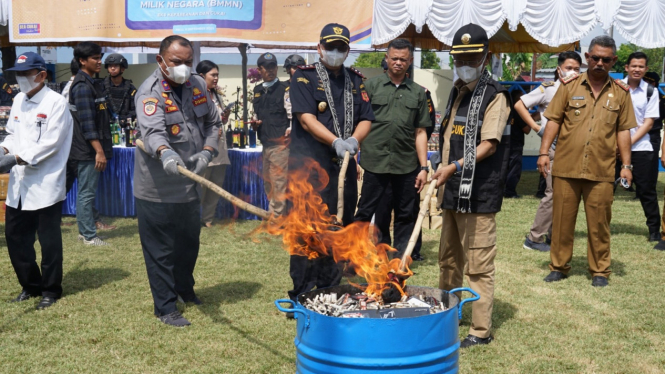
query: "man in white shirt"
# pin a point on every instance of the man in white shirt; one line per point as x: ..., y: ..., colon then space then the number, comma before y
x: 36, y: 150
x: 642, y: 155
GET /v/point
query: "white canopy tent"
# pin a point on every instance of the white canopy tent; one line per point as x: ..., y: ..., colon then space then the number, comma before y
x: 550, y: 22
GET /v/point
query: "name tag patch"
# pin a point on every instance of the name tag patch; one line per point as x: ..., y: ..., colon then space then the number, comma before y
x: 199, y: 101
x: 578, y: 97
x: 171, y: 108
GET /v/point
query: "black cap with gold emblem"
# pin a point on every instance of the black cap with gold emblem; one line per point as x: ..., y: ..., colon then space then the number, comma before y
x: 470, y: 38
x: 333, y: 32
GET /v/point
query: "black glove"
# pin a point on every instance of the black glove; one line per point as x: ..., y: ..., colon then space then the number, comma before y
x: 7, y: 162
x: 198, y: 162
x: 170, y: 162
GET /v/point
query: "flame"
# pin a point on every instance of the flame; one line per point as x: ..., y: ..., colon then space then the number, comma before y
x: 309, y: 230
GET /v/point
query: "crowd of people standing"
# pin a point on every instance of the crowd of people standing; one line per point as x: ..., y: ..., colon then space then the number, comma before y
x: 602, y: 131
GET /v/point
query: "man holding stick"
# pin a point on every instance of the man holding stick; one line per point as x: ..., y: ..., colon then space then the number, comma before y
x: 177, y: 121
x: 475, y: 145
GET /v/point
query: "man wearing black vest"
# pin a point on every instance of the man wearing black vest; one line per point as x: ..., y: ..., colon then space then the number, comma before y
x: 92, y: 144
x: 474, y: 159
x: 272, y: 125
x: 118, y: 90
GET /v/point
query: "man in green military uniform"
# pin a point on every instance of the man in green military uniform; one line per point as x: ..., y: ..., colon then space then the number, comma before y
x: 395, y: 151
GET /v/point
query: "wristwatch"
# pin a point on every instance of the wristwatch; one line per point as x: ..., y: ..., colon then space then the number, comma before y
x: 629, y: 167
x: 426, y: 168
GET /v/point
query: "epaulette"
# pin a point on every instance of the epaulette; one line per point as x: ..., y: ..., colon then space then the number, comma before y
x: 569, y: 79
x: 622, y: 84
x: 306, y: 67
x: 357, y: 72
x: 547, y: 84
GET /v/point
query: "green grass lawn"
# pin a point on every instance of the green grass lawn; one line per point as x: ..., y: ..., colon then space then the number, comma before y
x: 104, y: 322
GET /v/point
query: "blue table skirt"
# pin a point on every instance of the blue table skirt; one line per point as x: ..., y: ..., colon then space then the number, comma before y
x: 115, y: 194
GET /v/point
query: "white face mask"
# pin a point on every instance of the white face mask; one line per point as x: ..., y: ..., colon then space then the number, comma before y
x: 27, y: 84
x: 566, y: 74
x: 333, y: 58
x: 469, y: 74
x: 270, y: 84
x: 179, y: 74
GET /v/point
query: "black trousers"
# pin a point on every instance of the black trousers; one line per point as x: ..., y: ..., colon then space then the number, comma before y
x: 383, y: 216
x: 405, y: 197
x: 169, y: 235
x: 514, y: 172
x: 322, y: 272
x: 645, y: 179
x: 20, y: 229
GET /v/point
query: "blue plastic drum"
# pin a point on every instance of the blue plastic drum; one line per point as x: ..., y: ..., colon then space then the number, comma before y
x: 424, y: 344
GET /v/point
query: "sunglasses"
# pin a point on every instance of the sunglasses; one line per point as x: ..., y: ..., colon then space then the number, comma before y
x: 606, y: 60
x: 338, y: 46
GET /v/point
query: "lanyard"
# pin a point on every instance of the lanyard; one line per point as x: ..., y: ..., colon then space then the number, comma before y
x: 348, y: 101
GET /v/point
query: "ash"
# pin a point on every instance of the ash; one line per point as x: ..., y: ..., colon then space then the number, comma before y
x: 361, y: 305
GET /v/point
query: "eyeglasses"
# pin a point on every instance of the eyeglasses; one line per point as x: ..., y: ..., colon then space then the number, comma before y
x: 606, y: 60
x: 460, y: 63
x: 339, y: 46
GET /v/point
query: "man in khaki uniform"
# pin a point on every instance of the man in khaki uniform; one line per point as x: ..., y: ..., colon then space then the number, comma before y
x: 592, y: 115
x: 474, y: 165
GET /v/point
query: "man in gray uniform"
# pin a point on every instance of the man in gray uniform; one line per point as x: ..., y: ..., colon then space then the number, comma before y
x: 177, y: 121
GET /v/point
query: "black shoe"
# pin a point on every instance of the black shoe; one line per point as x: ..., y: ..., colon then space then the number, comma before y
x: 599, y: 282
x: 46, y: 302
x: 23, y: 296
x: 195, y: 300
x: 417, y: 258
x: 512, y: 197
x: 555, y: 276
x: 654, y: 237
x: 290, y: 315
x: 660, y: 246
x: 174, y: 319
x: 471, y: 340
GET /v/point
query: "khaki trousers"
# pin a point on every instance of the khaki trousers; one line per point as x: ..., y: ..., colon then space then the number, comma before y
x: 542, y: 224
x: 275, y: 167
x: 468, y: 242
x: 598, y: 198
x: 209, y: 199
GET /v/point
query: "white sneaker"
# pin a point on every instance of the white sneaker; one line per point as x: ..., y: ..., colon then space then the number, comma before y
x: 81, y: 238
x: 96, y: 241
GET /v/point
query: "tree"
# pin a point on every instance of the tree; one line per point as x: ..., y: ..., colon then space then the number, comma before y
x: 514, y: 64
x: 429, y: 60
x: 369, y: 60
x: 654, y: 55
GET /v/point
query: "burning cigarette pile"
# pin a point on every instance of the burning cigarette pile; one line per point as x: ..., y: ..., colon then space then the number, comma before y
x: 361, y: 305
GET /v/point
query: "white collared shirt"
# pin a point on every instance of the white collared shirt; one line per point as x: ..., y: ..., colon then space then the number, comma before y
x: 40, y: 133
x: 643, y: 109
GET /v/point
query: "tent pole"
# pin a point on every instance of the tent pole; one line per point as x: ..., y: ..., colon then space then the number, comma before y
x: 243, y: 52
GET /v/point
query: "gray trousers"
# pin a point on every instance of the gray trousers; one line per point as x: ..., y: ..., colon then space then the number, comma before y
x: 542, y: 224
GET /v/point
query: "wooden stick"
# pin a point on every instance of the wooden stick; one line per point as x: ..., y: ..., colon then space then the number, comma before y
x: 419, y: 222
x: 216, y: 189
x: 340, y: 186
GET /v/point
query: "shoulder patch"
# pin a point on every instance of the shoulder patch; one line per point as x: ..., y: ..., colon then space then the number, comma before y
x: 150, y: 106
x: 357, y: 72
x: 306, y: 67
x: 303, y: 80
x: 624, y: 86
x: 547, y: 84
x: 569, y: 79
